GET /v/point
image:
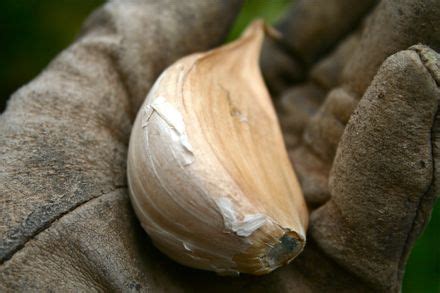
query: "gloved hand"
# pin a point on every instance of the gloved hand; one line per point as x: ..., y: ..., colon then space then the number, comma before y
x: 361, y: 127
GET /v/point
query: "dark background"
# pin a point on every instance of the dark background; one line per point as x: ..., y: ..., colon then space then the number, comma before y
x: 32, y: 32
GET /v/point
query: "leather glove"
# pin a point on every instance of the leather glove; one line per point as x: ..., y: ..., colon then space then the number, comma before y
x: 359, y: 113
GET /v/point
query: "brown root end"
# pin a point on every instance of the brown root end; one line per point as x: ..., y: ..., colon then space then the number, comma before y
x: 287, y: 249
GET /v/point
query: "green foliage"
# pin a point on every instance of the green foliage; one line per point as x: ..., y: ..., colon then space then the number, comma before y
x: 32, y: 33
x: 269, y: 10
x: 423, y: 269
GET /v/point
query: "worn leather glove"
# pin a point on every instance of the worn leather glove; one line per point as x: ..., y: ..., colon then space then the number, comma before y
x: 359, y: 113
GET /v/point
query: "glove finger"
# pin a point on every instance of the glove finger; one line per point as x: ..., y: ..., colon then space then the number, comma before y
x: 392, y: 26
x: 383, y: 181
x: 308, y: 124
x: 301, y: 102
x: 310, y: 30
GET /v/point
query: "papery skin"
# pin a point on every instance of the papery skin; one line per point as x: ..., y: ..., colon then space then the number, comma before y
x: 208, y: 172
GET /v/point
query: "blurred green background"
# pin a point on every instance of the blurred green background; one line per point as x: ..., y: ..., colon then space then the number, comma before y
x: 32, y: 32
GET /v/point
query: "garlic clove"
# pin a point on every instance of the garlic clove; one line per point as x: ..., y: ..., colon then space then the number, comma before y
x: 208, y: 173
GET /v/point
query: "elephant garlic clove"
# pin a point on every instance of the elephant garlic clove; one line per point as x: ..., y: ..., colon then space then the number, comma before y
x: 209, y: 176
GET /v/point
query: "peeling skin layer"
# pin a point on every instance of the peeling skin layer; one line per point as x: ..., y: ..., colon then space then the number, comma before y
x: 173, y: 118
x: 242, y: 227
